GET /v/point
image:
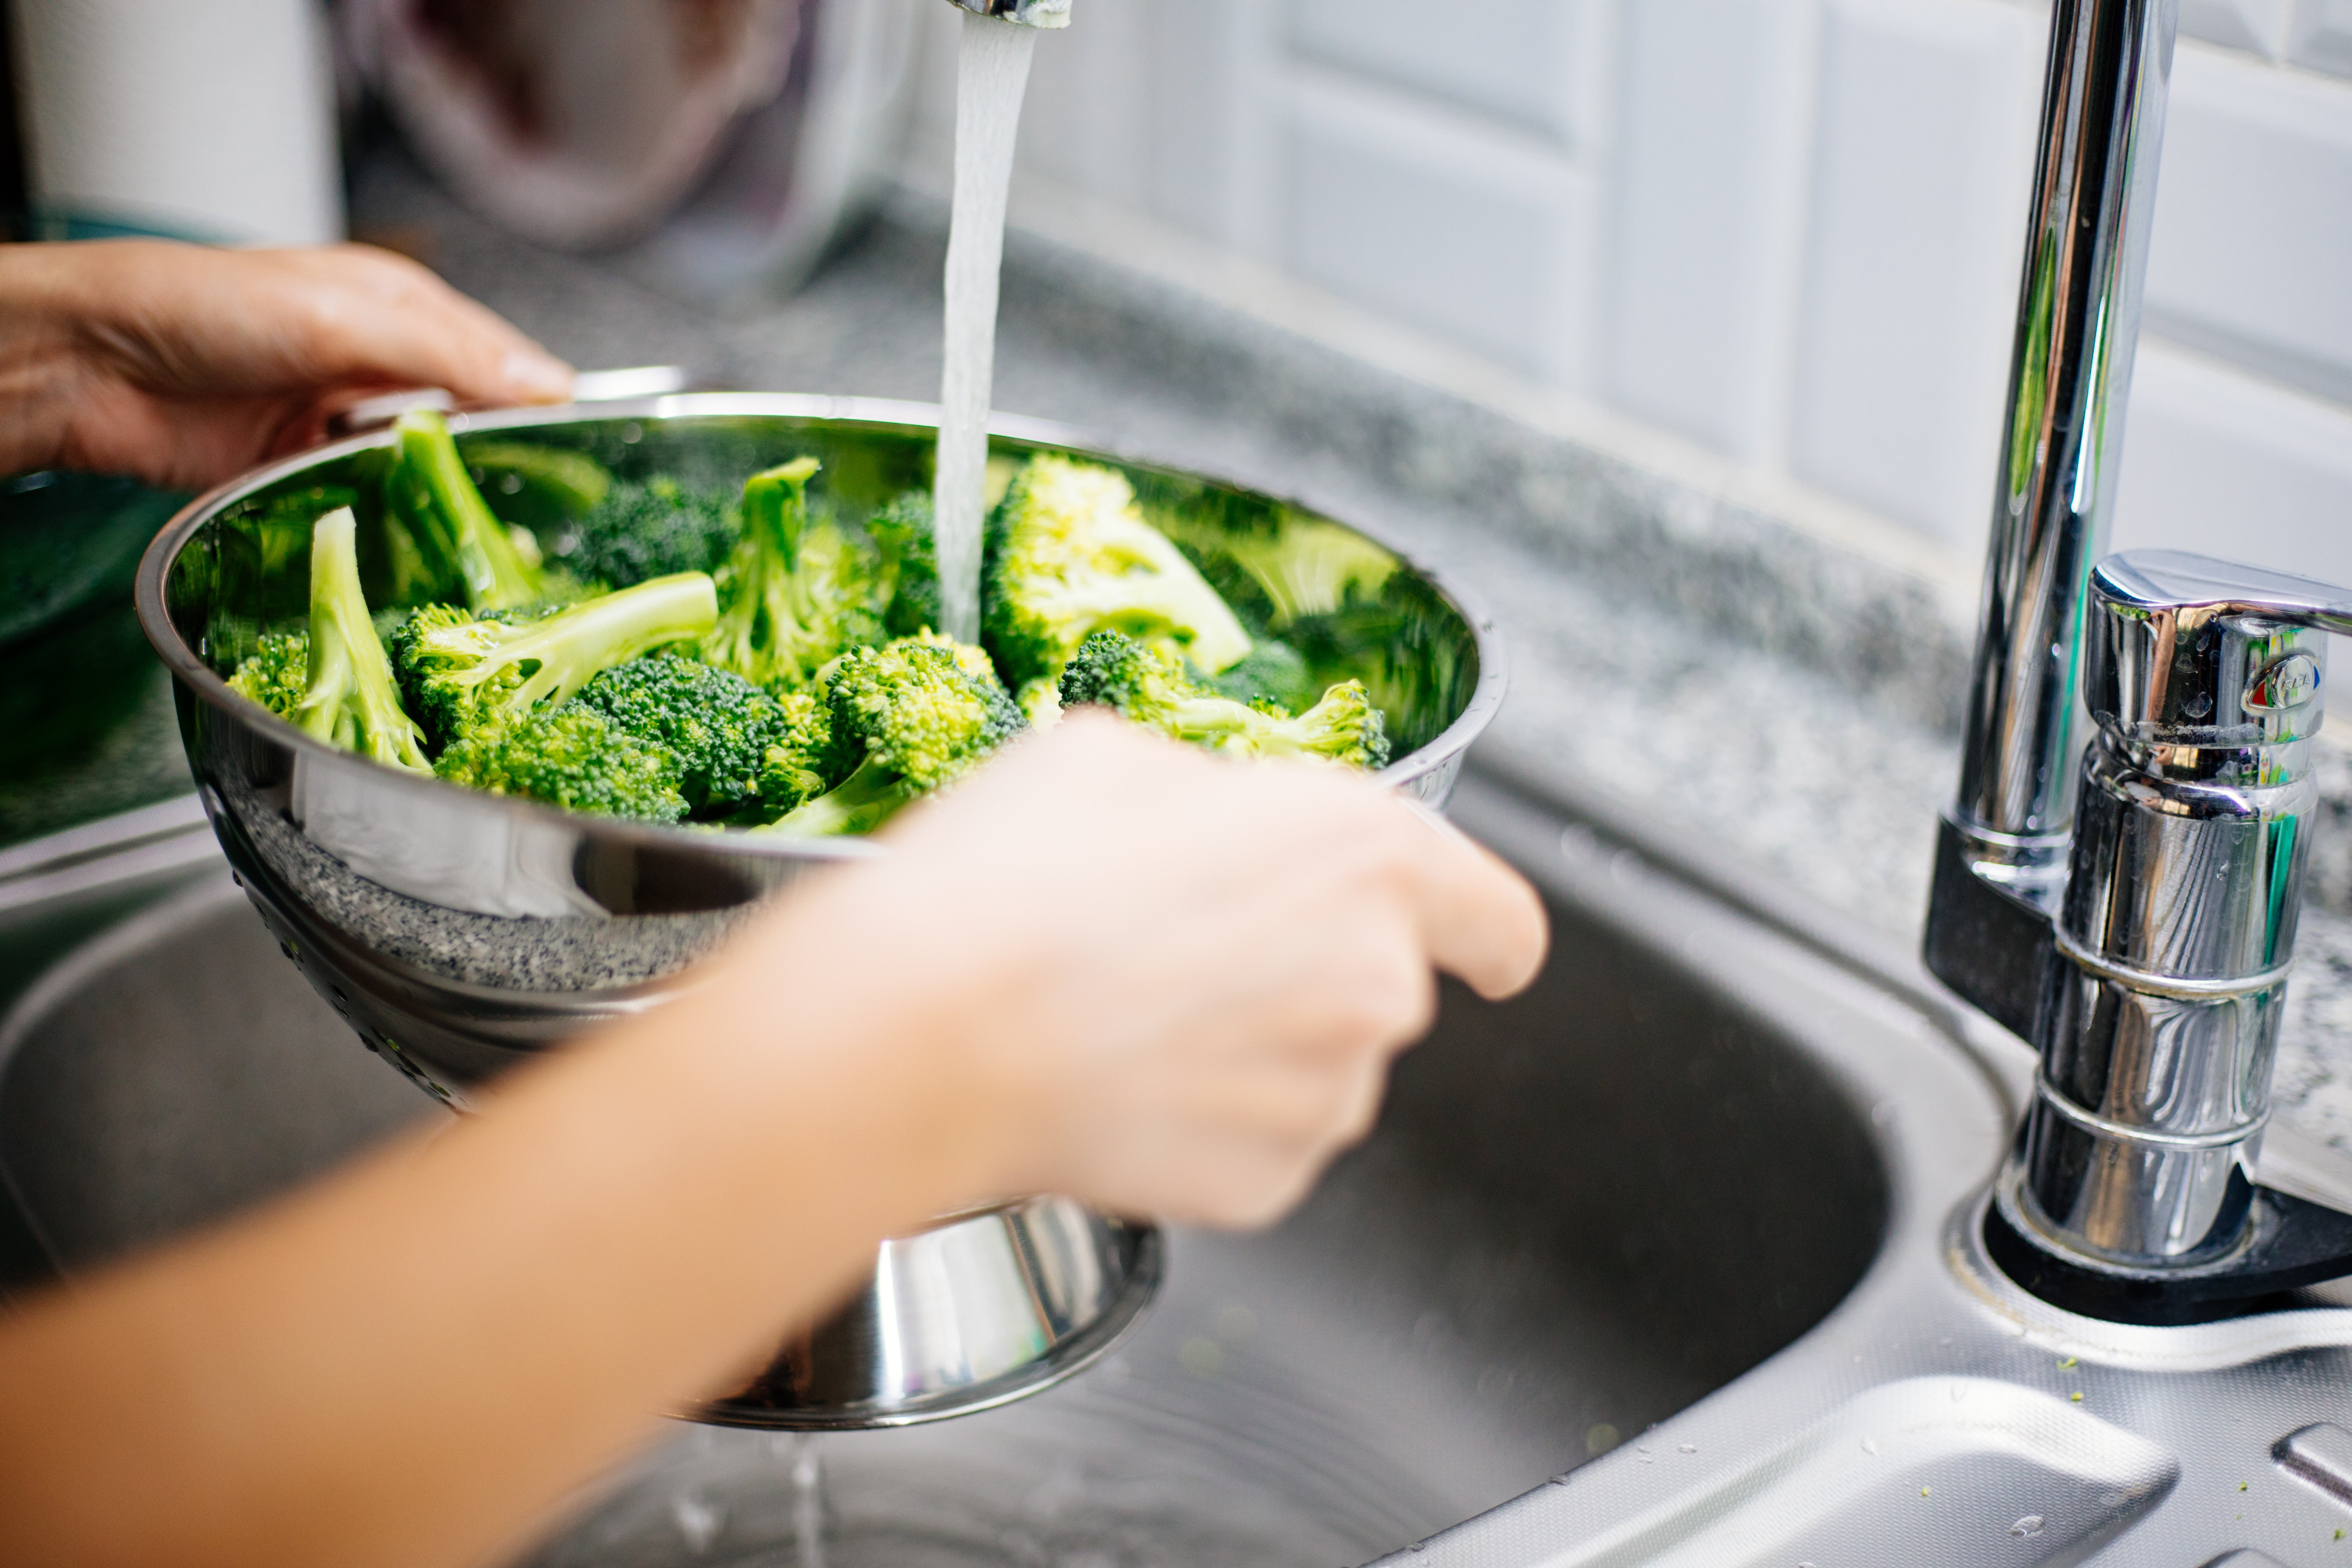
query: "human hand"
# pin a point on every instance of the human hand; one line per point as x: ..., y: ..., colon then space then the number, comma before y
x: 1176, y: 980
x: 184, y: 365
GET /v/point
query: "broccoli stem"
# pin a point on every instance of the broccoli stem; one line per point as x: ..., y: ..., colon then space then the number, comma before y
x: 861, y: 803
x: 771, y: 610
x: 776, y: 506
x: 430, y: 486
x: 350, y: 701
x: 571, y: 646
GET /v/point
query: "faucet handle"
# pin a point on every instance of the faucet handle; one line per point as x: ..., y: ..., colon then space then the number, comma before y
x: 2184, y: 650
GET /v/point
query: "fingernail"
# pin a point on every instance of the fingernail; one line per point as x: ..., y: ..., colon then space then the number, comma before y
x: 537, y: 378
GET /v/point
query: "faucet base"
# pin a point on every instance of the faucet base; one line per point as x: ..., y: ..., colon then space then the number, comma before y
x: 2288, y: 1244
x: 1990, y: 943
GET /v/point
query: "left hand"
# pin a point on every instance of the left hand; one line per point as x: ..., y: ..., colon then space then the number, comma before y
x: 185, y: 365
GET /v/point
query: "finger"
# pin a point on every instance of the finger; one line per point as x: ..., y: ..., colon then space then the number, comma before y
x: 377, y: 317
x: 1480, y: 920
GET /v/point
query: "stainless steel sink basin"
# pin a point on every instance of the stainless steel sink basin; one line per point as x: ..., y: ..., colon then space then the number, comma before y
x: 1692, y: 1221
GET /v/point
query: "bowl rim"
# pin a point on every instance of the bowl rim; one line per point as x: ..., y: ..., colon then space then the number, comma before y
x: 199, y: 679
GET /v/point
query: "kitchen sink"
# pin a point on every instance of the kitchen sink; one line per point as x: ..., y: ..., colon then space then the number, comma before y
x: 1670, y: 1260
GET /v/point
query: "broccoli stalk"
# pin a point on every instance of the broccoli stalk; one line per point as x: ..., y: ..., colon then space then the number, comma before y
x: 871, y: 796
x: 1310, y: 567
x: 539, y: 487
x: 795, y: 593
x: 1148, y: 686
x: 923, y: 710
x: 1070, y: 554
x: 428, y: 491
x: 349, y: 700
x: 459, y: 672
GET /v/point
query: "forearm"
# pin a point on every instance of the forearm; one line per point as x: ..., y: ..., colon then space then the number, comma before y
x: 39, y: 361
x: 484, y: 1320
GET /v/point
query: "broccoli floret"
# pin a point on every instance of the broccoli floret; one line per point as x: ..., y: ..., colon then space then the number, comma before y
x: 463, y: 546
x: 460, y: 671
x: 795, y: 594
x: 349, y: 699
x: 276, y: 673
x: 1148, y: 686
x: 570, y: 756
x: 807, y: 760
x: 719, y: 726
x: 1070, y: 554
x: 908, y: 579
x: 923, y: 712
x: 653, y: 530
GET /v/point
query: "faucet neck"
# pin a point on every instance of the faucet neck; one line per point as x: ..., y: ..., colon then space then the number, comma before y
x: 2070, y: 373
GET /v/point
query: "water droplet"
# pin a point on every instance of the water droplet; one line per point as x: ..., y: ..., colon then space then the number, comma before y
x: 1600, y: 1438
x: 1869, y: 1444
x: 1687, y: 1447
x: 1417, y: 1546
x: 2028, y: 1527
x: 699, y: 1520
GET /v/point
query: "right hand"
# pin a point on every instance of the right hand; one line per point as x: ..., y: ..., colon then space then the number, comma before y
x: 1180, y: 978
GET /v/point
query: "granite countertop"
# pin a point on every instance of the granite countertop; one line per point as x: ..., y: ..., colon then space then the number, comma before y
x: 1742, y: 682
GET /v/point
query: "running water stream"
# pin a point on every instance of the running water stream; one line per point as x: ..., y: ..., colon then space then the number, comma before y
x: 808, y: 1502
x: 993, y: 76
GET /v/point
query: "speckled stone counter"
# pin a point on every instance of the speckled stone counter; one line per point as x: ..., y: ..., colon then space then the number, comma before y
x: 1737, y: 680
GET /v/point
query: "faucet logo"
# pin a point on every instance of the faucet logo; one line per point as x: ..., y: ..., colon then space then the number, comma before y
x: 2283, y: 684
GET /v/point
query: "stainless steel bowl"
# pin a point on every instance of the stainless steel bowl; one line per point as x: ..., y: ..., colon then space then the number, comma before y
x: 458, y: 931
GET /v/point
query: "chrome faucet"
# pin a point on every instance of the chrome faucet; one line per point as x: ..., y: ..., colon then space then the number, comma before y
x: 1028, y: 13
x: 2143, y: 948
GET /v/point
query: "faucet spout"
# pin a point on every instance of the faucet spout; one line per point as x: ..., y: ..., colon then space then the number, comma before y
x: 1028, y: 13
x: 2001, y: 861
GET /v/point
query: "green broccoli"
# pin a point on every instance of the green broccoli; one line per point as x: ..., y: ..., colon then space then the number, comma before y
x: 808, y: 760
x: 346, y: 695
x: 719, y: 726
x: 1274, y: 672
x: 797, y: 593
x: 1307, y: 566
x: 276, y: 673
x: 542, y: 488
x: 653, y: 530
x: 908, y: 580
x: 1070, y: 554
x: 434, y: 511
x: 921, y: 711
x: 572, y: 756
x: 460, y: 671
x: 1148, y: 686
